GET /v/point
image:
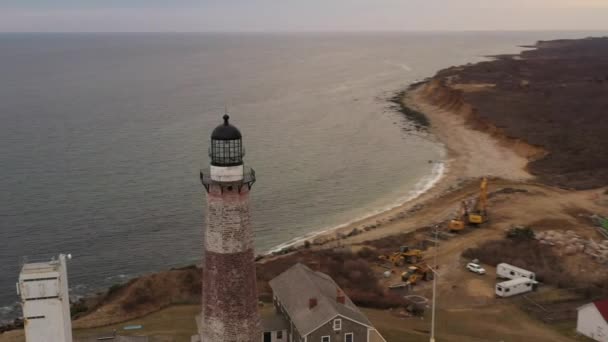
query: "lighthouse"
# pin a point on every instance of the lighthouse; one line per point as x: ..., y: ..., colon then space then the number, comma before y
x: 229, y: 295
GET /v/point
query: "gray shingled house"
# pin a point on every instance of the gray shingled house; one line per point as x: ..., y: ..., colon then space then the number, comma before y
x: 311, y: 307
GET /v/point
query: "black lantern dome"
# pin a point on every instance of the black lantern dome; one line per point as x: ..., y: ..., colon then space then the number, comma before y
x: 226, y: 131
x: 226, y: 145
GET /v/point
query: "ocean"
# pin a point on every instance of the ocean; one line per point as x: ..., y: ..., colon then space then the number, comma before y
x: 103, y: 136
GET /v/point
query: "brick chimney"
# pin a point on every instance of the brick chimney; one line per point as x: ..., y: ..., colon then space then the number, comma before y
x: 312, y: 302
x: 340, y: 297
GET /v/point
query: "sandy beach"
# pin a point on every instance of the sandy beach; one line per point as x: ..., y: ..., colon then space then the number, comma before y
x: 471, y: 154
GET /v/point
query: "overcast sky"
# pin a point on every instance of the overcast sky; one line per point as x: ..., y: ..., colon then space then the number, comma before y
x: 301, y: 15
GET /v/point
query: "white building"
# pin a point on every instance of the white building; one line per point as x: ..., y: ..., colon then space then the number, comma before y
x: 43, y: 288
x: 593, y: 320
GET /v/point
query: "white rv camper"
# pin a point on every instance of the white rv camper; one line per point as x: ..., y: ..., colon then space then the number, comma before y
x: 507, y: 271
x: 514, y: 287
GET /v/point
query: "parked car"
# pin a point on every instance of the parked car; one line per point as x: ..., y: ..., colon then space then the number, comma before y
x: 475, y: 268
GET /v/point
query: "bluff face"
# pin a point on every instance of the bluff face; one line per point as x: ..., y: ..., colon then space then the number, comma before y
x: 554, y: 98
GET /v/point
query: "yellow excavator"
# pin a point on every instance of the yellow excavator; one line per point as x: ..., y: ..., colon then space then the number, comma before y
x: 457, y: 224
x: 405, y: 255
x: 479, y: 215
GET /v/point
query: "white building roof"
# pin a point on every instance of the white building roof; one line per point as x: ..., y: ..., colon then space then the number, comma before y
x: 35, y: 270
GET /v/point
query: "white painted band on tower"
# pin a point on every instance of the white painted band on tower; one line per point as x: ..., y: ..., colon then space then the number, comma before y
x: 227, y: 173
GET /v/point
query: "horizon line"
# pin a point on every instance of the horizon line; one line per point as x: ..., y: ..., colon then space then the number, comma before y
x: 308, y: 31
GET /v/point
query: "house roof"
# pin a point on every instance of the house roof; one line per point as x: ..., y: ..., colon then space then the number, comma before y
x: 296, y: 286
x: 602, y: 307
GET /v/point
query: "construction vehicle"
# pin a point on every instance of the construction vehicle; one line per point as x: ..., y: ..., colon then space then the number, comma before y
x: 417, y: 272
x: 479, y: 215
x: 411, y: 255
x: 395, y: 258
x: 405, y: 255
x: 457, y: 224
x: 410, y: 277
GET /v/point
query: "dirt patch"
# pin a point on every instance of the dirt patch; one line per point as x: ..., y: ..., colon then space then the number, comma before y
x: 478, y: 288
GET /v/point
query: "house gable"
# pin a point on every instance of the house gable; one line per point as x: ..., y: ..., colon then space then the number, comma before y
x: 359, y: 330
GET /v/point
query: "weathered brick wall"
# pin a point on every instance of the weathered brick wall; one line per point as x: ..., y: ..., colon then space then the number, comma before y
x: 228, y: 227
x: 229, y: 295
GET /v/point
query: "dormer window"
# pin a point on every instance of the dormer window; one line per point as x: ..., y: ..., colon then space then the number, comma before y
x: 337, y: 324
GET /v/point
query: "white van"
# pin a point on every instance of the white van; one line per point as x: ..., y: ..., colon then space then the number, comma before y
x: 514, y: 287
x: 506, y: 271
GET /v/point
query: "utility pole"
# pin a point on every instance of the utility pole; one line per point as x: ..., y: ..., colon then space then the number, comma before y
x: 434, y: 285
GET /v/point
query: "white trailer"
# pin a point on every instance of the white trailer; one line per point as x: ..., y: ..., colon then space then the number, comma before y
x: 507, y: 271
x: 514, y: 287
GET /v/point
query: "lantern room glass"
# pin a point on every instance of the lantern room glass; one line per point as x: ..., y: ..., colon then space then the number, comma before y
x: 226, y: 152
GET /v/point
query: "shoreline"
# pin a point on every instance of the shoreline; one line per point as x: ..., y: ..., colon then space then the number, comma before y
x: 421, y: 124
x: 425, y: 185
x: 469, y: 155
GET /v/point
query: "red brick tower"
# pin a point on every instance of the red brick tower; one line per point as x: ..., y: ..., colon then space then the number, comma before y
x: 229, y: 310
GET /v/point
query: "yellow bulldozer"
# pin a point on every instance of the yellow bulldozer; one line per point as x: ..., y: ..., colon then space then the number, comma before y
x: 405, y: 255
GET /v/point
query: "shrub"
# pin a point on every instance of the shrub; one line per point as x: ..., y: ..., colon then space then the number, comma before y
x: 78, y: 308
x: 141, y: 295
x: 114, y: 288
x: 376, y: 300
x: 368, y: 254
x: 520, y: 233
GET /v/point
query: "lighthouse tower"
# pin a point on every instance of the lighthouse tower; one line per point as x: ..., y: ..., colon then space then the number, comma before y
x: 229, y: 296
